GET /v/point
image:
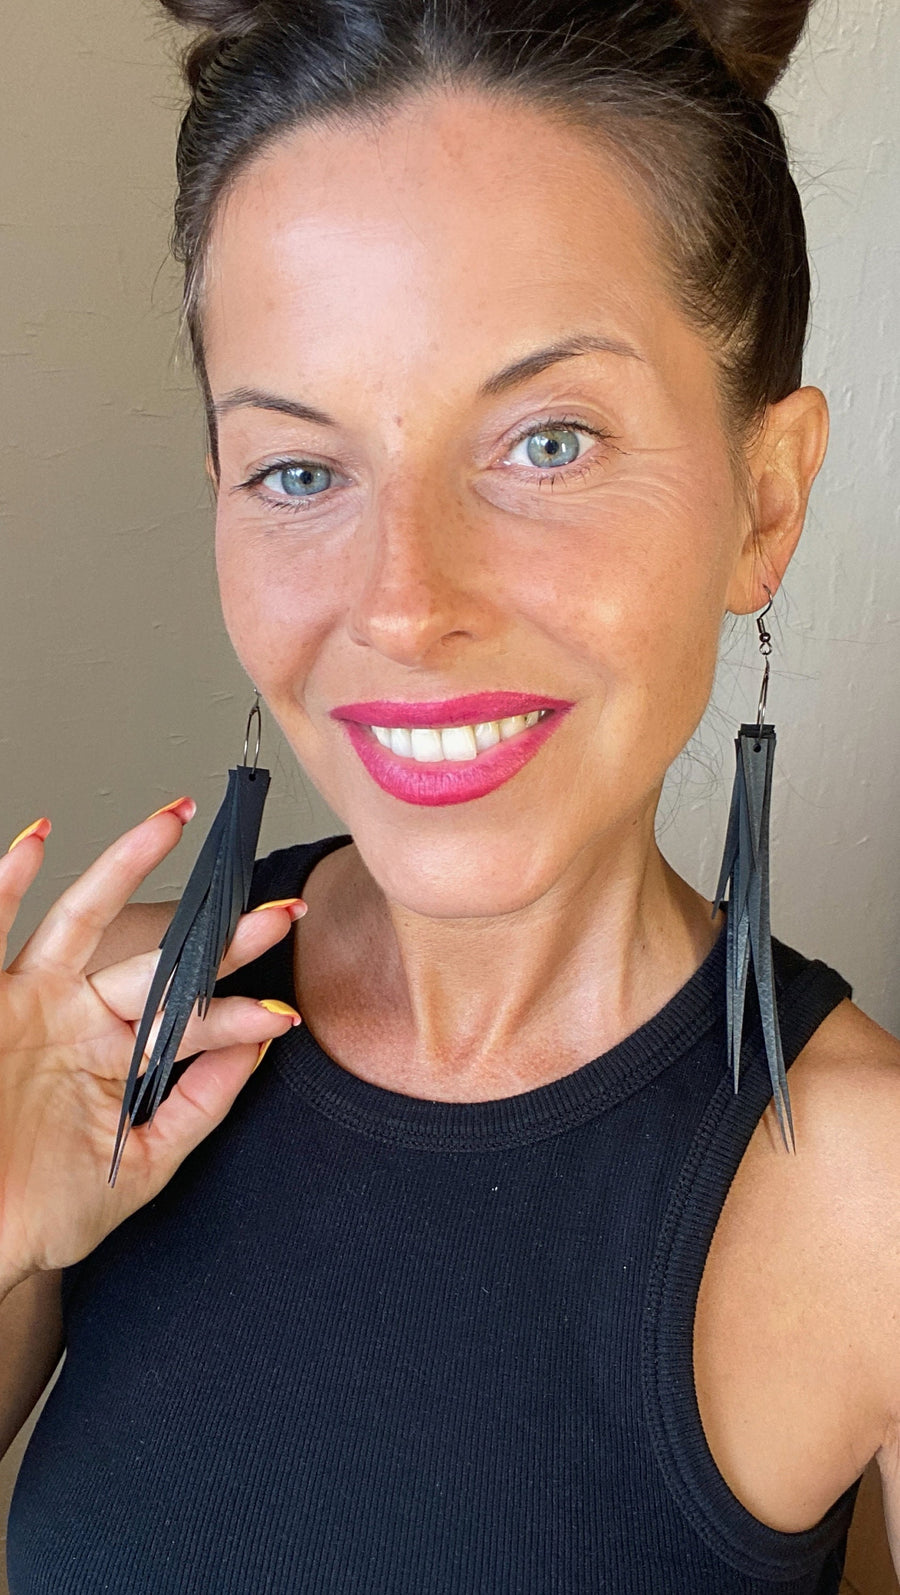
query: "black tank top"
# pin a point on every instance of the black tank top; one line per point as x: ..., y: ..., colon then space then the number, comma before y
x: 368, y: 1343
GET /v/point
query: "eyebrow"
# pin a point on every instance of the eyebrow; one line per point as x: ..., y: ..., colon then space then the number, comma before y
x: 530, y: 365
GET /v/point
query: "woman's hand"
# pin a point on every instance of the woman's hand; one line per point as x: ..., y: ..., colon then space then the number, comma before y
x: 66, y: 1040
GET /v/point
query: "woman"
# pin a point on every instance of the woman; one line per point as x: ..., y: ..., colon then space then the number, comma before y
x: 488, y: 1281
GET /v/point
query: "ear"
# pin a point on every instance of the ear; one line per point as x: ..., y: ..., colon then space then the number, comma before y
x: 783, y: 462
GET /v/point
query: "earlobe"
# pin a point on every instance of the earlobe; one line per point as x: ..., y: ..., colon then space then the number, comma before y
x: 784, y: 462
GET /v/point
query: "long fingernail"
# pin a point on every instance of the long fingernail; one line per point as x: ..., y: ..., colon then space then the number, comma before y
x: 274, y: 1005
x: 283, y: 902
x: 32, y: 830
x: 182, y: 803
x: 260, y: 1055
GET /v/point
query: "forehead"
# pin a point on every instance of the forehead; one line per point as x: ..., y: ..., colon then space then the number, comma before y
x: 453, y: 221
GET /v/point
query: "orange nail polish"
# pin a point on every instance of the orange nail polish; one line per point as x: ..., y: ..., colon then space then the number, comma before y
x: 279, y: 902
x: 169, y: 808
x: 32, y: 830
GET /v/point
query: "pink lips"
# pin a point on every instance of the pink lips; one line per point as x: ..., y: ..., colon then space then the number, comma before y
x: 448, y: 781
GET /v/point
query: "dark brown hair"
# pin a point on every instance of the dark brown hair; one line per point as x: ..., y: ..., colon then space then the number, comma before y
x: 678, y: 90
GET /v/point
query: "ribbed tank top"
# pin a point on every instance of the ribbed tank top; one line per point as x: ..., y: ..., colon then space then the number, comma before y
x: 369, y: 1343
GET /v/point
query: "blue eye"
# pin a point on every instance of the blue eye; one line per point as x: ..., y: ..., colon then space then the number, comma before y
x: 297, y: 480
x: 553, y: 444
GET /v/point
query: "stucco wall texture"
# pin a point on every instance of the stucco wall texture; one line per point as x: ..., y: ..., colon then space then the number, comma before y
x: 118, y: 686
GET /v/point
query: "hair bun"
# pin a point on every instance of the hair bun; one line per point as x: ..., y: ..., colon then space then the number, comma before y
x: 216, y: 16
x: 754, y: 38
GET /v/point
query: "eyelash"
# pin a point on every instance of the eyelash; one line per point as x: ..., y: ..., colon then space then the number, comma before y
x: 547, y: 424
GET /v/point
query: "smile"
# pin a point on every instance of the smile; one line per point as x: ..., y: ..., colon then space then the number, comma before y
x: 449, y: 752
x: 430, y: 745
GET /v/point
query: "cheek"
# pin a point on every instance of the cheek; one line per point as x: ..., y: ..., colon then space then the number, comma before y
x: 638, y: 585
x: 276, y: 606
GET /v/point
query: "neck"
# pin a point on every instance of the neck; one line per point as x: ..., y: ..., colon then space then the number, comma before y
x: 472, y: 1009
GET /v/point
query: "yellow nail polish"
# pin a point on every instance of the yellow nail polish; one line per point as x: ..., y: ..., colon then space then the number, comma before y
x: 262, y: 1052
x: 273, y: 1005
x: 31, y: 830
x: 277, y: 902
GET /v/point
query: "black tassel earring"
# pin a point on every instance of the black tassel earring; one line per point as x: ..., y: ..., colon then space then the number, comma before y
x: 198, y: 936
x: 745, y: 870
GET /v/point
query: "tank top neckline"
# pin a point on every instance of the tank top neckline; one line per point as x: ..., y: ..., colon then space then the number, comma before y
x: 546, y: 1110
x: 807, y: 990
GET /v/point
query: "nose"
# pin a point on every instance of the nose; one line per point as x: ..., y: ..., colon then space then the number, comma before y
x: 421, y: 579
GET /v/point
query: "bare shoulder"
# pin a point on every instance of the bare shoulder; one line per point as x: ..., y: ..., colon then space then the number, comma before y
x: 139, y: 928
x: 845, y: 1096
x: 849, y: 1097
x: 845, y: 1101
x: 845, y: 1090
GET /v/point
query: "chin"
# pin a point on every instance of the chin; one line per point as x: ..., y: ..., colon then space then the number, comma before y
x: 468, y: 875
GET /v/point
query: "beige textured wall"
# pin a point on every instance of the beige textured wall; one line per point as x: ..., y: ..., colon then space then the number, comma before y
x: 118, y: 688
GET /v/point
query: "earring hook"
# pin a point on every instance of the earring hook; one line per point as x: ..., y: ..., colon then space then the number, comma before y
x: 254, y: 711
x: 765, y: 648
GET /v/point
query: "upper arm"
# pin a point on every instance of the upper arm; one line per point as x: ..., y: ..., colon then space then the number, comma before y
x: 138, y: 928
x: 850, y: 1104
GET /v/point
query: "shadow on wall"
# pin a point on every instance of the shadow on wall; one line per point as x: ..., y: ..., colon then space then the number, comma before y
x: 869, y: 1569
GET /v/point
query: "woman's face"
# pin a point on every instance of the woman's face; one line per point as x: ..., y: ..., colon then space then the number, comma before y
x: 416, y: 505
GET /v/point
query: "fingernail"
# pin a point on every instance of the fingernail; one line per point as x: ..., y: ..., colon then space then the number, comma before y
x: 283, y: 902
x: 32, y: 830
x: 186, y: 803
x: 262, y: 1052
x: 273, y: 1005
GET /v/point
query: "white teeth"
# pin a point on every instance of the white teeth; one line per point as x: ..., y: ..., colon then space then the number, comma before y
x: 426, y: 745
x: 431, y: 745
x: 487, y: 735
x: 458, y: 742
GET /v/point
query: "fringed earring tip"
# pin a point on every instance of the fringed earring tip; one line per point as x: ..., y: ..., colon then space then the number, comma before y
x: 745, y: 872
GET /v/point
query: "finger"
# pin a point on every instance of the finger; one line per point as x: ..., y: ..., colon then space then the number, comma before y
x: 259, y: 930
x: 18, y: 867
x: 198, y: 1101
x: 123, y: 987
x: 68, y: 934
x: 228, y: 1022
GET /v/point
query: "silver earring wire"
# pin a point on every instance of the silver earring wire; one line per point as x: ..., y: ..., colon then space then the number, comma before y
x: 255, y: 711
x: 765, y: 648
